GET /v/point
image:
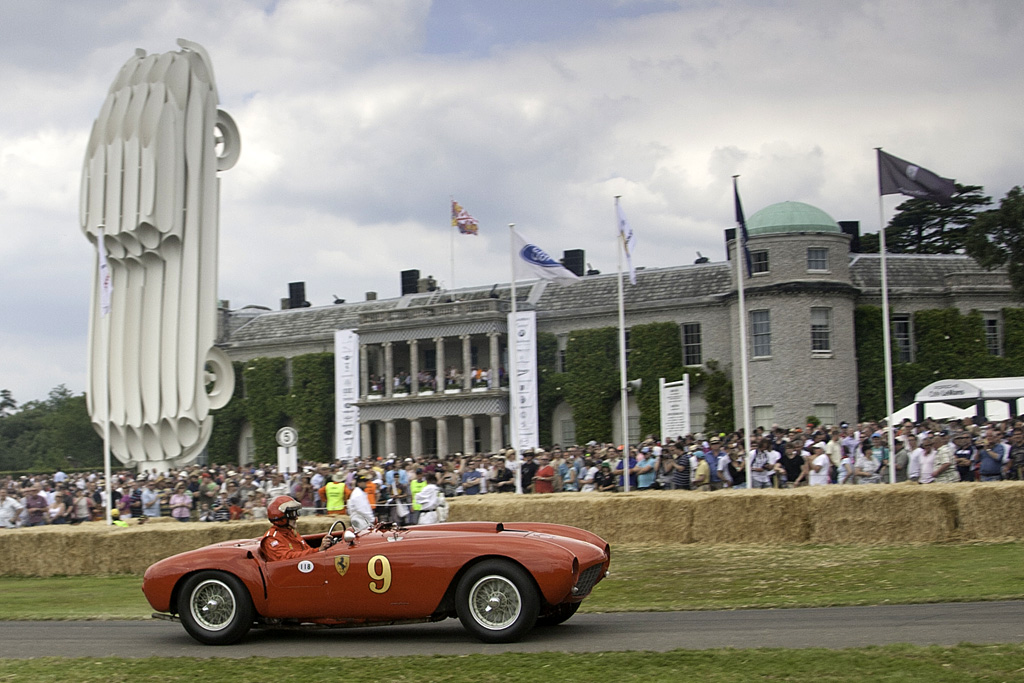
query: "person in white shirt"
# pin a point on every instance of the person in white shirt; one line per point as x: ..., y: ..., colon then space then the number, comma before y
x: 10, y: 510
x: 820, y: 463
x: 358, y: 506
x: 428, y: 499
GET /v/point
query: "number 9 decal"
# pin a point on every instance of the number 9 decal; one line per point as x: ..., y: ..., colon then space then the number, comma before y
x: 382, y: 574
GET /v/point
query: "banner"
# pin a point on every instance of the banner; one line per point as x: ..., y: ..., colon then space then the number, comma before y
x: 523, y: 399
x: 346, y: 392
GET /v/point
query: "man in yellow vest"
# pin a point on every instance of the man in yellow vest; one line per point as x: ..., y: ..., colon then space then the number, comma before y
x: 415, y: 486
x: 334, y: 493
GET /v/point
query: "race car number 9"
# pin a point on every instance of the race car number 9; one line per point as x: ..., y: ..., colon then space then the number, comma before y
x: 379, y: 569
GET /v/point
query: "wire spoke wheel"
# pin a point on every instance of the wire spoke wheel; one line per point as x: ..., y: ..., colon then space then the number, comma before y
x: 212, y: 605
x: 495, y: 602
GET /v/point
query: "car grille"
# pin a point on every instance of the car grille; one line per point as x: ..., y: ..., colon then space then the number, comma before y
x: 588, y: 579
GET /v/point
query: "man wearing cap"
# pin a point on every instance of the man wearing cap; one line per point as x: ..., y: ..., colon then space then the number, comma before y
x: 966, y: 455
x: 715, y: 458
x: 333, y: 494
x: 820, y: 465
x: 360, y: 511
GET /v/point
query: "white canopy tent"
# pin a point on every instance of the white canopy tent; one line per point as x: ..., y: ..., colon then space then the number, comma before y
x: 983, y: 391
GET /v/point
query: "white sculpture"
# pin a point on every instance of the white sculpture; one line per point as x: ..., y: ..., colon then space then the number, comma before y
x: 150, y: 183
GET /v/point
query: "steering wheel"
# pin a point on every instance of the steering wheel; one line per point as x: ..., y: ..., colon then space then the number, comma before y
x: 330, y: 532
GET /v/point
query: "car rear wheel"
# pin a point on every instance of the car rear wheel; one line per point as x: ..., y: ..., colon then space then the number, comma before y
x: 559, y: 614
x: 497, y: 601
x: 215, y: 608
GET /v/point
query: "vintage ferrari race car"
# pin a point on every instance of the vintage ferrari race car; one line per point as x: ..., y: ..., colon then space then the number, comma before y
x: 498, y: 579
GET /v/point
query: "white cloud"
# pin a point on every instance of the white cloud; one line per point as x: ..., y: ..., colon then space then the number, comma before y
x: 359, y: 119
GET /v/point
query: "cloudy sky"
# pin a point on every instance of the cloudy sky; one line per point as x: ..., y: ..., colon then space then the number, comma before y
x: 360, y: 119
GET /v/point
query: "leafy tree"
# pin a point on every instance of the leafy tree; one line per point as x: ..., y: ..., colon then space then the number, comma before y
x: 7, y: 403
x: 996, y: 238
x: 923, y: 226
x: 48, y: 434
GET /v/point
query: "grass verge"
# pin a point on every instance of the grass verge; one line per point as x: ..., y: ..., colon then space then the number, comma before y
x: 894, y: 662
x: 662, y: 578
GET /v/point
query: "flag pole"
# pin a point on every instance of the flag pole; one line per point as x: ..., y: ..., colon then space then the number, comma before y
x: 451, y: 250
x: 622, y: 357
x: 886, y: 342
x: 741, y: 258
x: 105, y: 375
x: 513, y: 379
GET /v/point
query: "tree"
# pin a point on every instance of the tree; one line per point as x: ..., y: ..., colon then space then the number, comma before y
x: 7, y: 403
x: 923, y: 226
x: 996, y: 238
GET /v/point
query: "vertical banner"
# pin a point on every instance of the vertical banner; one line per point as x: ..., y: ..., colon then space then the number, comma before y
x: 346, y: 393
x: 675, y: 408
x: 523, y: 398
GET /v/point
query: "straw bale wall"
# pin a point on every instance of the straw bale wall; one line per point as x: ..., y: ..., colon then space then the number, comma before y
x: 904, y: 513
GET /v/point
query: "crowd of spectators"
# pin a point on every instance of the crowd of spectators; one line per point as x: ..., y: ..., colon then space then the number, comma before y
x: 401, y: 382
x: 411, y: 490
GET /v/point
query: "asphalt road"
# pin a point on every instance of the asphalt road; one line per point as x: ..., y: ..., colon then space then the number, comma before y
x: 840, y: 627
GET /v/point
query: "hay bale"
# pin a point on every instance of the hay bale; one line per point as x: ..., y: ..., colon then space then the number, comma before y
x: 990, y: 511
x: 903, y: 513
x: 654, y: 516
x: 770, y: 516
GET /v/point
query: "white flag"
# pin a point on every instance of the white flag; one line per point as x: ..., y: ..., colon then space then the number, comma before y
x: 628, y: 241
x: 106, y: 282
x: 531, y: 261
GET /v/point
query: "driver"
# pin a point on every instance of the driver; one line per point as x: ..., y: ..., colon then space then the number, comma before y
x: 282, y: 542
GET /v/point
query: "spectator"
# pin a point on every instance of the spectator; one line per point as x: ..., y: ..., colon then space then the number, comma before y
x: 605, y: 480
x: 820, y: 466
x: 945, y: 463
x: 36, y: 507
x: 761, y: 466
x: 10, y: 509
x: 150, y: 500
x: 991, y: 457
x: 181, y: 503
x: 680, y: 467
x: 646, y: 470
x: 712, y: 457
x: 543, y: 480
x: 966, y: 455
x: 866, y: 466
x: 502, y: 479
x: 793, y: 463
x: 529, y: 470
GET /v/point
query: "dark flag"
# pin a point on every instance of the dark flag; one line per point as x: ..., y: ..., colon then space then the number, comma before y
x: 896, y: 176
x: 744, y: 237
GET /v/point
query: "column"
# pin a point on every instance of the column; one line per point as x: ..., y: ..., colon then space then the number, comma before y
x: 364, y: 371
x: 389, y: 370
x: 416, y: 436
x: 497, y: 442
x: 439, y: 359
x: 468, y: 443
x: 365, y: 440
x: 492, y: 372
x: 389, y: 436
x: 414, y: 366
x: 467, y: 360
x: 442, y: 437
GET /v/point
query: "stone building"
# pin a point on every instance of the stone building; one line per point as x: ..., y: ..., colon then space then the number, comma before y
x: 800, y: 300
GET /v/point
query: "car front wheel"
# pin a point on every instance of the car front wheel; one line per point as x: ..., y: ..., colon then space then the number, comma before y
x: 215, y: 608
x: 497, y: 601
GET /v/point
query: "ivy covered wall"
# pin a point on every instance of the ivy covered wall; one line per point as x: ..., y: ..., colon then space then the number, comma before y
x: 947, y: 344
x: 263, y: 400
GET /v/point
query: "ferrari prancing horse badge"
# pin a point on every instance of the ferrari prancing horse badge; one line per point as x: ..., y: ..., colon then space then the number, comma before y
x: 341, y: 563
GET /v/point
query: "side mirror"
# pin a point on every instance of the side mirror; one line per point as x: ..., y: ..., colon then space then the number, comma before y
x: 349, y: 536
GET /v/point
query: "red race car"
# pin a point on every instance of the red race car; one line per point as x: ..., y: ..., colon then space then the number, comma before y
x: 498, y: 579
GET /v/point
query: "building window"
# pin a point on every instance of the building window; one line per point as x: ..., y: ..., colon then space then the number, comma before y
x: 696, y: 424
x: 691, y: 344
x: 430, y: 361
x: 568, y: 431
x: 563, y: 341
x: 903, y: 338
x: 817, y: 258
x: 761, y: 333
x: 993, y: 332
x: 764, y: 416
x: 826, y: 412
x: 759, y: 261
x: 821, y: 329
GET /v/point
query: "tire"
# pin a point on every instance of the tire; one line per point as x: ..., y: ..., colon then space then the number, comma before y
x: 215, y: 608
x: 497, y: 601
x: 559, y: 614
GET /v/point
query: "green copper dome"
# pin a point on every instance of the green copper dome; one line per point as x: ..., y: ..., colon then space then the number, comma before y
x: 790, y: 217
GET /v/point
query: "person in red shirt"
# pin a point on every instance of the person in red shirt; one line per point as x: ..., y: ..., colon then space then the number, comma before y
x: 543, y: 481
x: 282, y: 541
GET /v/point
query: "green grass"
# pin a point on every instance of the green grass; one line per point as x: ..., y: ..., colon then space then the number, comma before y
x: 894, y: 662
x: 662, y: 578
